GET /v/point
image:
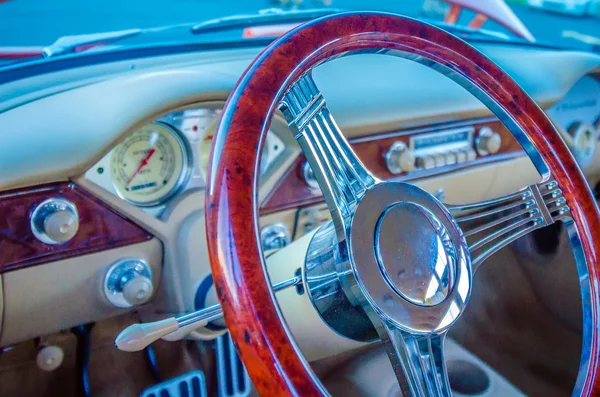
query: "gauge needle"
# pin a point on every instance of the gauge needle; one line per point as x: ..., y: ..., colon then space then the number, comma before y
x: 142, y: 165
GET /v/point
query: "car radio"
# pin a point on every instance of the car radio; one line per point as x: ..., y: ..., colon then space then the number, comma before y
x: 441, y: 148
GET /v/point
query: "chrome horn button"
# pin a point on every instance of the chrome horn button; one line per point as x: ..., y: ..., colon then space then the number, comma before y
x: 415, y: 254
x: 409, y: 258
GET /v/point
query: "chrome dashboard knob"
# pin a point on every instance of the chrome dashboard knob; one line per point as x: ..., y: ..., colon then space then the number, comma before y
x: 55, y: 221
x: 309, y: 177
x: 128, y: 283
x: 275, y: 236
x: 488, y: 141
x: 399, y: 158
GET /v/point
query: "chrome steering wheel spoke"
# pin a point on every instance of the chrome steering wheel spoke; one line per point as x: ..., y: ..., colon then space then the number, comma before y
x: 342, y: 177
x: 417, y: 360
x: 490, y: 225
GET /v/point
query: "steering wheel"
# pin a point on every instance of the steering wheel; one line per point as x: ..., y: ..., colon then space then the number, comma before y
x: 403, y: 260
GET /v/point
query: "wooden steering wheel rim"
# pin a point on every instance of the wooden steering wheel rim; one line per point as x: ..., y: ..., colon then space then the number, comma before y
x: 271, y: 357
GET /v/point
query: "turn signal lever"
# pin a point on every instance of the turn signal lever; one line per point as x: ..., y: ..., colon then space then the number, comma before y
x: 137, y: 336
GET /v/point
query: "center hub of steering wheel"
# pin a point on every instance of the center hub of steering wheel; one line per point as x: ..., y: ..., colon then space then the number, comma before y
x: 409, y: 258
x: 415, y: 254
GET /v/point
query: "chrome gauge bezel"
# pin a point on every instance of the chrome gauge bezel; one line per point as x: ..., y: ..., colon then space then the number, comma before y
x: 183, y: 176
x: 581, y: 131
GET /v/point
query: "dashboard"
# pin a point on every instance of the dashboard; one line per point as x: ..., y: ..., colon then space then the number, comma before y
x: 169, y: 156
x: 127, y: 144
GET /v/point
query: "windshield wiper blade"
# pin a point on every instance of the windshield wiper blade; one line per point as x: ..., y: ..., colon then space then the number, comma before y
x: 262, y: 18
x: 69, y: 44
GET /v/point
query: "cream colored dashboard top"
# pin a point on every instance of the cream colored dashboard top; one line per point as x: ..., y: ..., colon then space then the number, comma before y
x: 74, y: 128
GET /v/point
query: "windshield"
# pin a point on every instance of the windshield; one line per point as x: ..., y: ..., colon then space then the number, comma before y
x: 28, y: 27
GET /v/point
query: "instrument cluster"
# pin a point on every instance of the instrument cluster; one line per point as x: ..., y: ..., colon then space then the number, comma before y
x: 168, y: 156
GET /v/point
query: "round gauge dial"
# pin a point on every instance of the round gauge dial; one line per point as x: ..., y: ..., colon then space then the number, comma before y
x: 208, y: 126
x: 585, y: 137
x: 150, y: 165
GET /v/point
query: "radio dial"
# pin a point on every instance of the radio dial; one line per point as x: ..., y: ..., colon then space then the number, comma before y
x: 400, y: 158
x: 488, y: 141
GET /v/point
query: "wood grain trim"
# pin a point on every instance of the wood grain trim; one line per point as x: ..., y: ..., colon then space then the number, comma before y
x: 100, y: 227
x: 274, y: 363
x: 291, y: 190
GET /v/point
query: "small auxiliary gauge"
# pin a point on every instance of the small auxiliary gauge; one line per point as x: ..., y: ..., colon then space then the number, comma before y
x: 150, y: 165
x: 585, y: 138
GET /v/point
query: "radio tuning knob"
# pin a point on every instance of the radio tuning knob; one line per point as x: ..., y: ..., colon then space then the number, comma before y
x: 399, y: 158
x: 488, y: 141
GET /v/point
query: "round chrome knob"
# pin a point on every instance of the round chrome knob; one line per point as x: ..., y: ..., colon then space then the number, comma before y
x: 399, y: 158
x: 275, y: 236
x: 55, y: 221
x: 488, y: 141
x: 309, y: 176
x: 128, y: 282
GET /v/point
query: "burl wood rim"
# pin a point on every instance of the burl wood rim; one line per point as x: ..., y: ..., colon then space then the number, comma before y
x: 272, y: 359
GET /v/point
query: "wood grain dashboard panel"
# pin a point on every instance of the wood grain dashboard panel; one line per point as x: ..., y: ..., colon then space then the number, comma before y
x: 291, y: 190
x: 100, y: 227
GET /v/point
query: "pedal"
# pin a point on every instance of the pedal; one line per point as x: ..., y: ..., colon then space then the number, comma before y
x: 232, y: 377
x: 190, y: 384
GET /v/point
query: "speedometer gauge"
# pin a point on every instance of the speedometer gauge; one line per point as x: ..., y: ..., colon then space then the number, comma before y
x: 150, y: 165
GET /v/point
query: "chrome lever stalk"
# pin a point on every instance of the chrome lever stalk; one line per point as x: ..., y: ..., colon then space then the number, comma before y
x: 137, y: 336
